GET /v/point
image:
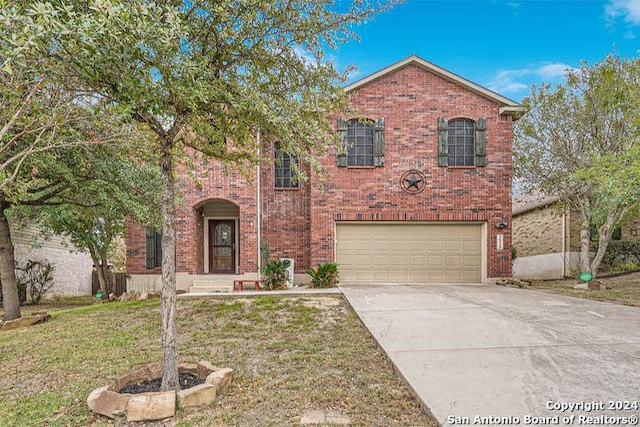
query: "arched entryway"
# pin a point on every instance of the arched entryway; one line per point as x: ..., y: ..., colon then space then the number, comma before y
x: 221, y: 220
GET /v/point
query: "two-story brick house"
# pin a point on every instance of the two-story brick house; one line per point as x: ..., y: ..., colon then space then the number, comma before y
x: 419, y: 191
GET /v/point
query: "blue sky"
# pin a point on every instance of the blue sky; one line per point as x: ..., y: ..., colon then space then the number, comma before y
x: 503, y: 45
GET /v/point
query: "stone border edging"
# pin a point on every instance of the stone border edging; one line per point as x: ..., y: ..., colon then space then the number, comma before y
x: 152, y: 406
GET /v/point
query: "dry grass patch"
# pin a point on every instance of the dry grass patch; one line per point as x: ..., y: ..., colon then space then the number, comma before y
x: 290, y: 354
x: 623, y: 289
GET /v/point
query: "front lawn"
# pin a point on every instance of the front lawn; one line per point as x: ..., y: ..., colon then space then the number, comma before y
x: 290, y: 354
x: 622, y: 289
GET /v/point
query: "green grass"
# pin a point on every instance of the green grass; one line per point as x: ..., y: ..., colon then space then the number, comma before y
x: 290, y: 355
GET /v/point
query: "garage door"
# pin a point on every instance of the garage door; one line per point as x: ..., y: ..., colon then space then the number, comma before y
x: 408, y: 253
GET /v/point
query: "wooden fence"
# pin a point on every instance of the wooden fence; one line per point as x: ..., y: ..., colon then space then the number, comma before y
x: 117, y: 283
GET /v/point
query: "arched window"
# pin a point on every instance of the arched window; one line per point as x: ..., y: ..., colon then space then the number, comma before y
x: 461, y: 142
x: 360, y: 134
x: 283, y: 170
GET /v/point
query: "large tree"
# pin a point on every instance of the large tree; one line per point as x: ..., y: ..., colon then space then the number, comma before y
x: 42, y: 112
x: 117, y: 184
x: 572, y: 135
x: 207, y: 76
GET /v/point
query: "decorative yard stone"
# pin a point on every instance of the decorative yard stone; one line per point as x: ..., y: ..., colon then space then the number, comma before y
x: 581, y: 286
x: 151, y: 406
x: 144, y: 296
x: 192, y: 368
x: 150, y: 371
x: 200, y: 395
x: 205, y: 368
x: 107, y: 402
x: 221, y: 379
x: 25, y: 321
x: 324, y: 418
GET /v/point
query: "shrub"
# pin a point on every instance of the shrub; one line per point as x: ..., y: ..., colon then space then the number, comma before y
x: 324, y: 276
x: 276, y: 274
x: 37, y: 276
x: 620, y: 251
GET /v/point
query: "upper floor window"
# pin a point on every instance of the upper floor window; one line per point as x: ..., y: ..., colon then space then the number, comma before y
x: 362, y: 142
x: 462, y: 142
x: 284, y: 172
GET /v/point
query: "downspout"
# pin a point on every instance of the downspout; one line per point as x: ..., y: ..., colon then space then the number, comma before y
x: 259, y: 207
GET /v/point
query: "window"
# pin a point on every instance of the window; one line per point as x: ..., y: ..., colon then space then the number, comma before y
x: 362, y: 142
x: 462, y: 142
x: 283, y: 170
x: 154, y: 248
x: 360, y: 136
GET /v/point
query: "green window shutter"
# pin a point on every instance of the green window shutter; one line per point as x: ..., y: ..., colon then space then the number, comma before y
x: 151, y: 248
x: 443, y: 142
x: 342, y: 147
x: 481, y: 142
x: 378, y: 143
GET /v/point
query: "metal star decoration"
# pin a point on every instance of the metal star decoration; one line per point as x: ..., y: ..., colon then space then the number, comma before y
x: 413, y: 181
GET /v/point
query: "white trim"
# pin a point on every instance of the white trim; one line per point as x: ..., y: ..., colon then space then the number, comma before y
x: 509, y: 106
x: 206, y: 241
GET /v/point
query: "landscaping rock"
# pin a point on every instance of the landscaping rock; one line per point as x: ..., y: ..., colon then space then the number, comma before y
x: 192, y: 368
x: 108, y: 403
x: 581, y: 287
x: 324, y: 418
x: 25, y: 321
x: 221, y: 379
x: 147, y: 372
x: 151, y: 406
x: 204, y: 368
x: 144, y: 296
x: 200, y: 395
x: 94, y: 395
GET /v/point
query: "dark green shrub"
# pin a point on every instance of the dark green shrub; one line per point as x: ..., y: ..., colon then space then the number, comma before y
x: 621, y: 251
x: 324, y: 276
x: 275, y: 274
x: 37, y: 276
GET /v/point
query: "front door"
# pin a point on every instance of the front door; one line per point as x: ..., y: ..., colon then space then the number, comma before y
x: 222, y: 246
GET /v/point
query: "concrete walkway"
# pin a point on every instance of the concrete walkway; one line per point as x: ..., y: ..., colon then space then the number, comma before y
x: 472, y: 351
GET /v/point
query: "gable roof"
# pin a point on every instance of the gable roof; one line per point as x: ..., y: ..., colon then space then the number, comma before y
x: 507, y: 106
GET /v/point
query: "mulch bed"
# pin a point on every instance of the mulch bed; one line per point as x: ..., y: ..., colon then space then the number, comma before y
x: 186, y: 379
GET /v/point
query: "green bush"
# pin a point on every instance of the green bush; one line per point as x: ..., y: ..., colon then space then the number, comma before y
x: 276, y: 274
x: 621, y: 252
x: 37, y: 276
x: 324, y: 276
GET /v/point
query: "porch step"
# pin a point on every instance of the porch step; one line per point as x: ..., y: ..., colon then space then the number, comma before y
x: 218, y: 284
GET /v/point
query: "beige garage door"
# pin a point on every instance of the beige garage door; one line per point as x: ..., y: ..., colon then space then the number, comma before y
x: 408, y: 253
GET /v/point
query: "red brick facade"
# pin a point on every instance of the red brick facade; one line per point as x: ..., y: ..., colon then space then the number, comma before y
x: 300, y: 223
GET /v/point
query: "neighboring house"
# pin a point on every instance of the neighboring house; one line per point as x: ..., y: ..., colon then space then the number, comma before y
x: 72, y: 268
x: 546, y: 237
x: 419, y: 192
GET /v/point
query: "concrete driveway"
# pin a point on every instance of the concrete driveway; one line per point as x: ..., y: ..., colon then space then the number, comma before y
x: 473, y: 351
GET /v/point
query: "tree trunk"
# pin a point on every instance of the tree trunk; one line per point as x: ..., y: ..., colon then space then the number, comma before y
x: 10, y: 297
x: 585, y: 241
x: 101, y: 270
x: 168, y: 303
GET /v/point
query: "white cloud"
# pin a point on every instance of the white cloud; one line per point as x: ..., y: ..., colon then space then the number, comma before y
x: 628, y: 10
x: 517, y: 81
x: 553, y: 71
